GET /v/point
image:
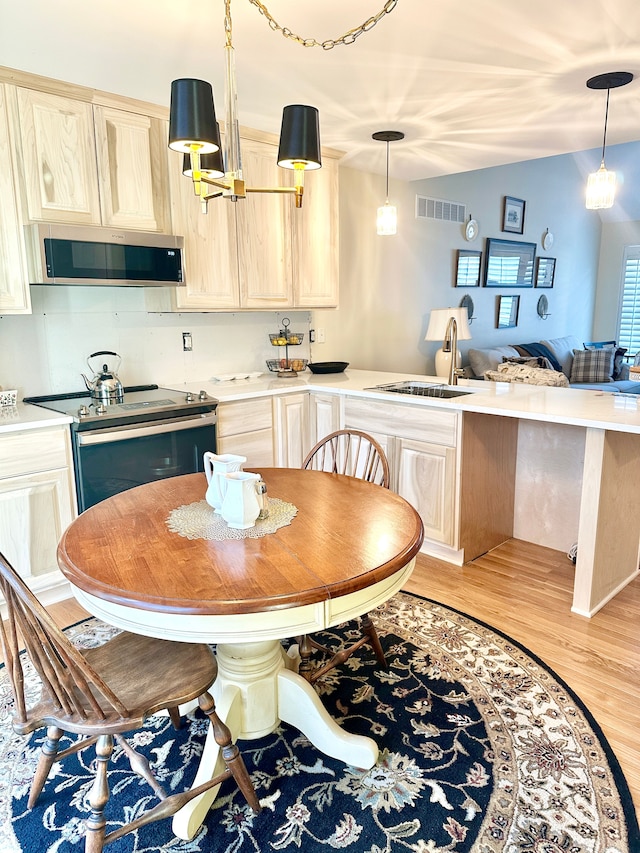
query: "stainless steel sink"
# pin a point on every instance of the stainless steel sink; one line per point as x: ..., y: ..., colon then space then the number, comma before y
x: 421, y: 389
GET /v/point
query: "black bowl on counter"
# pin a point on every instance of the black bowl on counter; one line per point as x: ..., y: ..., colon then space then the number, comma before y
x: 328, y: 366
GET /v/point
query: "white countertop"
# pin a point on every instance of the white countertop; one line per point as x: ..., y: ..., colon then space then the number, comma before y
x: 24, y: 416
x: 599, y: 409
x: 602, y: 410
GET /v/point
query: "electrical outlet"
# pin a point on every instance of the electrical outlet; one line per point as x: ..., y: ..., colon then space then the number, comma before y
x: 320, y: 338
x: 187, y: 342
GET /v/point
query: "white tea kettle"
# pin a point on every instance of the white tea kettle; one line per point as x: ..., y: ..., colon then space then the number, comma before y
x: 105, y: 385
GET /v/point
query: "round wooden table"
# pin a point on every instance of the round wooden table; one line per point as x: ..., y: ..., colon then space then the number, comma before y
x: 350, y: 547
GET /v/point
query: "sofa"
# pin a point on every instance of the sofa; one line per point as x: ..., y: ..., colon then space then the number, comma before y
x: 596, y: 365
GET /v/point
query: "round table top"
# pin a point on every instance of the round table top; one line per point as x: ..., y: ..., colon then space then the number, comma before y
x: 347, y: 535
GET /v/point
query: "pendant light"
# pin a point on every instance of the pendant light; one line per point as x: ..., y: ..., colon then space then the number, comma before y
x: 387, y: 219
x: 601, y: 185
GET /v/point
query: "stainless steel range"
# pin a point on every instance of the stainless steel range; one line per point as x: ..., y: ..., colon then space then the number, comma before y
x: 151, y: 434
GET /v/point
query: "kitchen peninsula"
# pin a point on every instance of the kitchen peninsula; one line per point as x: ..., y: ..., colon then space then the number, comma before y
x: 548, y: 465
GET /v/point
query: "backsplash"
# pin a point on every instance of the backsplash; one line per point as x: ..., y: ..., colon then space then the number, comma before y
x: 46, y: 352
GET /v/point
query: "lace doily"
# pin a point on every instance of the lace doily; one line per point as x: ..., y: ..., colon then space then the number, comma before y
x: 199, y: 521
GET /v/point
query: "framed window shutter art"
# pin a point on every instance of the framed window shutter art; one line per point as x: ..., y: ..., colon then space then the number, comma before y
x: 509, y: 263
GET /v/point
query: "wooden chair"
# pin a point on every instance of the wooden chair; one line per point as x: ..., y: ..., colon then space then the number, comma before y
x: 356, y: 454
x: 101, y: 693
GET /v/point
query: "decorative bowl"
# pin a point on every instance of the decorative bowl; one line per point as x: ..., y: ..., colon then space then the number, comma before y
x: 328, y: 366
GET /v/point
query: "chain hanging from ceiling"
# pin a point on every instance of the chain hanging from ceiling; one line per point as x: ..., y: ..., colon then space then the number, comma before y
x: 348, y: 38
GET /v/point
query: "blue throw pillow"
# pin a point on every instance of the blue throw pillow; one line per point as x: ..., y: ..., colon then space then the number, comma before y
x: 598, y: 344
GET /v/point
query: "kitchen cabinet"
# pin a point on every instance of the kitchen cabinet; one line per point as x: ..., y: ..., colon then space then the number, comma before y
x: 263, y: 229
x: 422, y: 446
x: 133, y: 177
x: 37, y: 501
x: 291, y: 420
x: 316, y: 255
x: 91, y: 163
x: 210, y: 247
x: 324, y: 415
x: 260, y: 253
x: 425, y: 476
x: 245, y: 428
x: 57, y: 150
x: 14, y: 281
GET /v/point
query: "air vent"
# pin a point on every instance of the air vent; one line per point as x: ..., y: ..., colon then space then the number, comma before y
x: 439, y: 208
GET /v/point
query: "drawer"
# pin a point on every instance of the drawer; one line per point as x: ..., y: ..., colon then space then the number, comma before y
x: 244, y: 416
x: 34, y: 450
x: 408, y: 421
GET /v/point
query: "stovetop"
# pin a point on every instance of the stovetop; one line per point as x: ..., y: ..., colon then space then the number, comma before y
x: 140, y: 403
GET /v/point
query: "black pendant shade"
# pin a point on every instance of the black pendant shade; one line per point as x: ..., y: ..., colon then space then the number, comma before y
x: 300, y: 137
x: 211, y: 165
x: 192, y: 118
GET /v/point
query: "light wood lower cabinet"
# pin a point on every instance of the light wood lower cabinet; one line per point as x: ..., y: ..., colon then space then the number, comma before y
x: 291, y: 419
x: 246, y: 429
x: 37, y: 501
x: 421, y: 445
x: 425, y: 476
x: 324, y: 415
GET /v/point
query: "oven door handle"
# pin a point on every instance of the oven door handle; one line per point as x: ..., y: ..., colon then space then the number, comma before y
x: 105, y: 436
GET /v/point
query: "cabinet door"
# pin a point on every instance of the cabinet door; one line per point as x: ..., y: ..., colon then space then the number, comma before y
x: 324, y: 416
x: 292, y: 429
x: 264, y: 231
x: 245, y: 428
x: 315, y: 240
x: 426, y: 477
x: 210, y: 249
x: 14, y: 282
x: 132, y: 167
x: 35, y: 510
x: 58, y: 153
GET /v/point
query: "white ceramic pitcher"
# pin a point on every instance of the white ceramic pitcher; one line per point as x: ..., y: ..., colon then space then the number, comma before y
x: 240, y: 506
x: 214, y: 466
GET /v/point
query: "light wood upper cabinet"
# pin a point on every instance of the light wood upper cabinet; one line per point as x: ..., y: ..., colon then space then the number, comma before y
x: 58, y: 157
x: 315, y: 240
x: 210, y: 247
x: 132, y: 169
x: 14, y: 283
x: 264, y: 231
x: 92, y: 164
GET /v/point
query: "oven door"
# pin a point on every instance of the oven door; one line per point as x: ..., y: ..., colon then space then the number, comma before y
x: 111, y: 460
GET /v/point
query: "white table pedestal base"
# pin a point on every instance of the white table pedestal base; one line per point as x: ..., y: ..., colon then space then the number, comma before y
x: 256, y: 689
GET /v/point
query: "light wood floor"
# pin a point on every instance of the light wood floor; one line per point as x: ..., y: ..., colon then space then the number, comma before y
x: 525, y: 591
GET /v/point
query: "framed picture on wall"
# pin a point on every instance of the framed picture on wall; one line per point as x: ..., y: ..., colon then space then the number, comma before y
x: 508, y: 307
x: 508, y: 263
x: 545, y: 272
x: 513, y: 215
x: 467, y: 268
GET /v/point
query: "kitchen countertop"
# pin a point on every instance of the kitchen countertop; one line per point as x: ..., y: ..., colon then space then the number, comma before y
x: 602, y: 410
x: 25, y: 416
x: 573, y: 406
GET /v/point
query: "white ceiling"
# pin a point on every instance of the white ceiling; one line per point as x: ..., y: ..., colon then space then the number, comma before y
x: 471, y: 84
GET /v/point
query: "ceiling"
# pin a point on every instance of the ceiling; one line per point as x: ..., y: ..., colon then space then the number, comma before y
x: 471, y: 85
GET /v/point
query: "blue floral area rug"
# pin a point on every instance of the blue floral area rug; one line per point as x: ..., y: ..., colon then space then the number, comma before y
x: 482, y: 750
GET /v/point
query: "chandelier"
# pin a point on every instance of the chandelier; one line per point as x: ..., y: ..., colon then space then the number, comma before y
x: 194, y: 130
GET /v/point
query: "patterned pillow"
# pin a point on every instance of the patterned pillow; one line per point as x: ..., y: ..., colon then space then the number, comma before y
x: 618, y: 359
x: 592, y: 366
x: 528, y: 375
x: 531, y: 360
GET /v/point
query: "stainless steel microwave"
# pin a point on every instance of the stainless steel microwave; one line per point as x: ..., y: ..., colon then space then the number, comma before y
x: 88, y: 255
